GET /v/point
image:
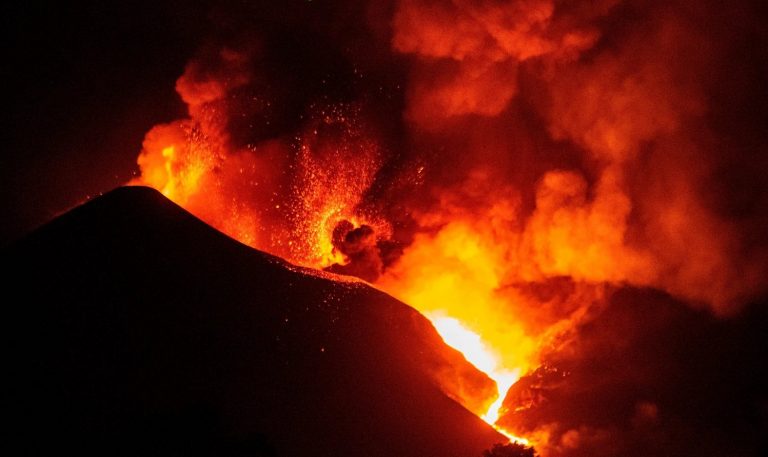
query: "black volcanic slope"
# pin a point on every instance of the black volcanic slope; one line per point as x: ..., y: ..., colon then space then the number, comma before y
x: 132, y: 328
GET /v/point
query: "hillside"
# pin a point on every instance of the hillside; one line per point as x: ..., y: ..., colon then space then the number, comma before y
x: 136, y: 329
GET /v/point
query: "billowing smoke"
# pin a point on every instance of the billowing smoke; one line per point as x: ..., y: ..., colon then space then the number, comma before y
x: 625, y: 95
x: 501, y: 161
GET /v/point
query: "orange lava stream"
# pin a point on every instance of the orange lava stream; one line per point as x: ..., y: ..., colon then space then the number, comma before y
x: 476, y: 352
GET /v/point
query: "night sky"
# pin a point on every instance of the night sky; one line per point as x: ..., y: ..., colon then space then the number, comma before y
x: 83, y: 83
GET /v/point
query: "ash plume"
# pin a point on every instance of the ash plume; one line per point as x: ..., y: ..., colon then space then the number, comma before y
x: 605, y: 122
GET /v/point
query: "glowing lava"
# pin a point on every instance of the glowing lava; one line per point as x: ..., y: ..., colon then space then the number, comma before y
x: 478, y: 354
x: 483, y: 358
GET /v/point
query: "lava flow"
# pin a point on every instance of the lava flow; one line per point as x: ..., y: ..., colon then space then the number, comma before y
x: 486, y: 360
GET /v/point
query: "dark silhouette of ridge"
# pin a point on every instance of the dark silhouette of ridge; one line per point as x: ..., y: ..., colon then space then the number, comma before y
x: 133, y: 328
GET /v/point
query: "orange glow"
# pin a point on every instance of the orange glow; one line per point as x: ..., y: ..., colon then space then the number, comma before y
x: 484, y: 359
x: 175, y: 160
x: 514, y: 184
x: 326, y: 253
x: 331, y: 174
x: 454, y: 279
x: 458, y: 275
x: 478, y: 354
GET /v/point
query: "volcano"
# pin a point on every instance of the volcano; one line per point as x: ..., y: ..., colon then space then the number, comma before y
x: 136, y: 329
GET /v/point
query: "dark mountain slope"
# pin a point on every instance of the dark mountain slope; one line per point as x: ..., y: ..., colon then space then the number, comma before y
x: 132, y: 328
x: 651, y: 376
